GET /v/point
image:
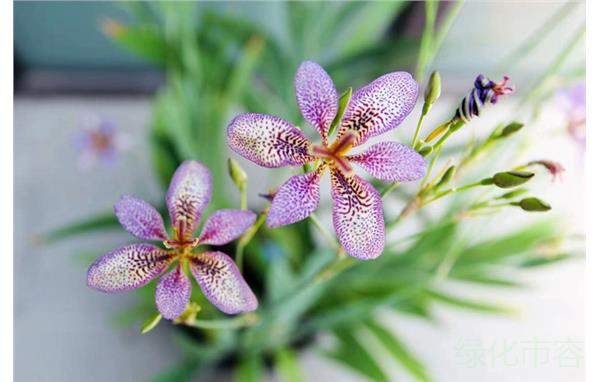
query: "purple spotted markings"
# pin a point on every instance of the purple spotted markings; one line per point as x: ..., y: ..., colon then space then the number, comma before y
x: 377, y: 108
x: 135, y: 265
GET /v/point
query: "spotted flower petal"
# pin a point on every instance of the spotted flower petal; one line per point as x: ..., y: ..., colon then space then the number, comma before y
x: 222, y: 283
x: 357, y: 216
x: 392, y: 162
x: 173, y: 292
x: 296, y: 199
x: 380, y: 106
x: 128, y: 267
x: 189, y: 192
x: 316, y: 96
x: 226, y: 225
x: 140, y: 219
x: 267, y: 140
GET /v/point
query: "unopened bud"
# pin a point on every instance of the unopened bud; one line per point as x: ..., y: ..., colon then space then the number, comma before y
x: 237, y: 174
x: 534, y: 205
x: 447, y: 177
x: 188, y: 317
x: 426, y: 150
x: 510, y: 179
x: 511, y: 128
x: 433, y: 91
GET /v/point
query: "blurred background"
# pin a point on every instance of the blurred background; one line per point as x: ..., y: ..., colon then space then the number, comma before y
x: 73, y: 83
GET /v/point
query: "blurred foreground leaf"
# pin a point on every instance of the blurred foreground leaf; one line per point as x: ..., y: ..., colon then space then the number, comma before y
x: 104, y: 221
x: 352, y: 354
x: 399, y: 351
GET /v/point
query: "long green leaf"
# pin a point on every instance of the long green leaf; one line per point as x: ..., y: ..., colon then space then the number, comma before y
x: 399, y: 351
x: 287, y: 367
x: 469, y: 304
x: 104, y: 221
x: 352, y: 353
x: 250, y: 369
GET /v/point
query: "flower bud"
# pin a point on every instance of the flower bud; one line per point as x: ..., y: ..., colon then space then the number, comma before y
x: 555, y: 168
x: 513, y: 194
x: 534, y: 205
x: 510, y: 179
x: 433, y: 91
x: 447, y: 177
x: 237, y: 174
x: 426, y: 150
x: 188, y: 317
x: 511, y: 128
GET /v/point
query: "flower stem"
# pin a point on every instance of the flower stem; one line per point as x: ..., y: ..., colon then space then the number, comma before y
x: 244, y: 320
x: 427, y: 39
x: 332, y: 241
x: 386, y: 191
x: 245, y: 239
x: 244, y: 199
x: 441, y: 194
x: 417, y: 130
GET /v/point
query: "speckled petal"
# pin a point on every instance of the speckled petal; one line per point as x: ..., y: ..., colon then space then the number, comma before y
x: 392, y: 162
x: 296, y: 199
x: 357, y: 216
x: 267, y: 140
x: 222, y: 283
x: 189, y: 192
x: 316, y: 96
x: 128, y: 267
x: 380, y: 106
x: 140, y: 219
x: 173, y: 292
x: 226, y: 225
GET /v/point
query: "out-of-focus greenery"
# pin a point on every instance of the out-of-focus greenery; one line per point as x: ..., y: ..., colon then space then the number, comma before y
x: 216, y: 63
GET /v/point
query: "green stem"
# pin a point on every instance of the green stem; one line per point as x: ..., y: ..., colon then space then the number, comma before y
x: 243, y: 199
x: 441, y: 194
x: 244, y: 320
x: 538, y: 35
x: 445, y: 27
x: 386, y: 191
x: 542, y: 82
x: 332, y: 241
x: 418, y: 129
x: 245, y: 239
x: 427, y: 39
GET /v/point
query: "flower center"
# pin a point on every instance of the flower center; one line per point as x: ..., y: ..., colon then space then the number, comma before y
x: 182, y: 238
x: 335, y: 154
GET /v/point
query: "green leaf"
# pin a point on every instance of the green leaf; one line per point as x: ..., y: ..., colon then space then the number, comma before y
x: 150, y: 323
x: 241, y: 75
x: 351, y: 353
x: 342, y: 105
x: 102, y: 221
x: 399, y: 351
x: 287, y: 367
x: 468, y: 304
x: 181, y: 372
x: 145, y: 41
x: 515, y: 243
x: 250, y: 369
x: 538, y: 261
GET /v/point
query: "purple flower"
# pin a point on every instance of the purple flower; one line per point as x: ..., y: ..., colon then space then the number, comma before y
x: 572, y: 101
x: 373, y: 110
x: 100, y: 141
x: 484, y: 91
x: 135, y: 265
